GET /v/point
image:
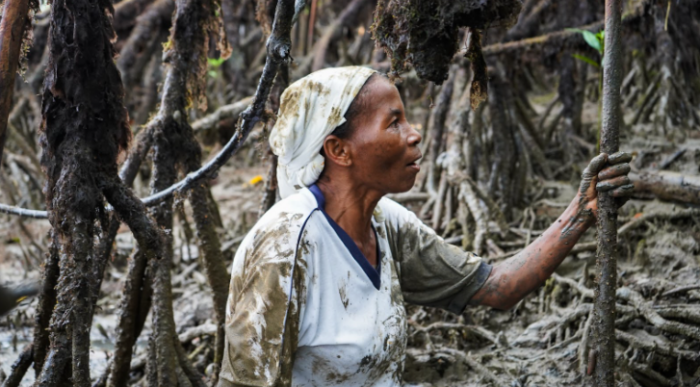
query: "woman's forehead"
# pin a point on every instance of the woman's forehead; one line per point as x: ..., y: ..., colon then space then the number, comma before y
x: 382, y: 95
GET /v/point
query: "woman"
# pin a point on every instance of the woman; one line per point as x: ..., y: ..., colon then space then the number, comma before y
x: 318, y: 285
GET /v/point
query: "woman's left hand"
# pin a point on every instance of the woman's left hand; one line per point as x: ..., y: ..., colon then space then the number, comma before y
x: 606, y: 173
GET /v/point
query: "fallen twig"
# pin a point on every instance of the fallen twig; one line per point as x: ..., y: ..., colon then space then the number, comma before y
x: 473, y: 364
x: 653, y: 316
x: 655, y: 346
x: 681, y: 289
x: 638, y: 221
x: 198, y: 331
x: 474, y: 329
x: 667, y: 185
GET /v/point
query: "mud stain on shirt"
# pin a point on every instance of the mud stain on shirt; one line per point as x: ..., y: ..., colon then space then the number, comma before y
x: 342, y: 291
x: 261, y: 311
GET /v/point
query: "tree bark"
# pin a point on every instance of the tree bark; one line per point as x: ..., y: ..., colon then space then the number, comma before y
x: 47, y: 300
x: 19, y: 368
x: 85, y: 129
x: 438, y: 116
x: 504, y: 150
x: 607, y: 209
x: 12, y: 26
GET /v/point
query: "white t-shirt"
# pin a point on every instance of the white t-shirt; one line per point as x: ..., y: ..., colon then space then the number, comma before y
x: 306, y: 308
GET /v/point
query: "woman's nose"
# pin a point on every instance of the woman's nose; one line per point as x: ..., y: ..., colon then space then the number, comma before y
x: 414, y: 136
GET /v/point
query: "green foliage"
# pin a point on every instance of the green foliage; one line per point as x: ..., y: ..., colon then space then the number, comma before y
x: 586, y: 59
x: 216, y: 62
x: 596, y: 41
x: 601, y: 41
x: 215, y: 66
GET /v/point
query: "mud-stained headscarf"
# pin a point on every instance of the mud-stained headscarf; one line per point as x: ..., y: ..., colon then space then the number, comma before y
x: 310, y: 109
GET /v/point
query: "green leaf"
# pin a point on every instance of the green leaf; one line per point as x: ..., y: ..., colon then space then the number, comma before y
x: 215, y: 62
x: 601, y: 38
x: 592, y: 40
x: 589, y: 37
x: 600, y: 35
x: 586, y: 59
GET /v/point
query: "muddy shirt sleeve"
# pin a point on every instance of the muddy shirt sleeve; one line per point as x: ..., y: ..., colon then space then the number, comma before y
x: 431, y: 271
x: 262, y: 321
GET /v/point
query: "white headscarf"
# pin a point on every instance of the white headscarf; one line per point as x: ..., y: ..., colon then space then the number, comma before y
x: 310, y: 109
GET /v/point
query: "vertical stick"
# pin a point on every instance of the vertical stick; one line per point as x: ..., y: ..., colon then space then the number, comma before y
x: 11, y: 32
x: 607, y: 210
x: 312, y: 22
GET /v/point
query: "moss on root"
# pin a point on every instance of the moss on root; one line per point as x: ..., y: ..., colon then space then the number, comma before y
x: 425, y: 33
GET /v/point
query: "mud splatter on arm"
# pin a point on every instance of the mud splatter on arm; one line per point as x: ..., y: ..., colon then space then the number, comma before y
x: 516, y: 277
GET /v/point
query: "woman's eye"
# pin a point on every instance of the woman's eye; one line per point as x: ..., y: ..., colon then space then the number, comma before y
x: 395, y: 123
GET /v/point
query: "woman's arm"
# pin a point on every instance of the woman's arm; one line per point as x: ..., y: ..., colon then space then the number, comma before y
x: 266, y: 296
x: 513, y: 279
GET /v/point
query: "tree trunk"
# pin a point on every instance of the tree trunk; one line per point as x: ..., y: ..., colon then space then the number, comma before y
x: 607, y: 209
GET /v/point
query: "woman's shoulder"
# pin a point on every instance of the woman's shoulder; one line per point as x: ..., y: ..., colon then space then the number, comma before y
x: 400, y: 223
x: 279, y: 228
x: 293, y: 209
x: 393, y: 213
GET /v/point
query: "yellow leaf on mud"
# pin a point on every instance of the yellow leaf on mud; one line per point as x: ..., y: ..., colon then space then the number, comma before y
x: 257, y: 179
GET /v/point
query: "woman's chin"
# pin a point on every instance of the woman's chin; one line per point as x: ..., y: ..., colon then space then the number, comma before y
x: 404, y: 185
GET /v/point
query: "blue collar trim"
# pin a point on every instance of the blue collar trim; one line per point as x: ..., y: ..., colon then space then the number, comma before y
x: 373, y: 274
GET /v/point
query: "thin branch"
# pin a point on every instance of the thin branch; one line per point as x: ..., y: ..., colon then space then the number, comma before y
x: 225, y: 112
x: 19, y: 368
x: 558, y: 37
x: 608, y: 251
x: 23, y: 212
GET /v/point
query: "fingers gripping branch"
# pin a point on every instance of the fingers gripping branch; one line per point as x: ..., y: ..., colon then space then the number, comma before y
x: 614, y: 177
x: 591, y: 172
x: 606, y: 173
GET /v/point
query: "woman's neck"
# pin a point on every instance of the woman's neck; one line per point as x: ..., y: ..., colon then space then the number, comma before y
x: 351, y: 207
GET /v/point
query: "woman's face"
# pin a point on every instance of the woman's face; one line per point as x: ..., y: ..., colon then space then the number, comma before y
x: 383, y: 146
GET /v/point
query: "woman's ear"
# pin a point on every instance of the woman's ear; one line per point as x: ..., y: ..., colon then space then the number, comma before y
x: 336, y: 150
